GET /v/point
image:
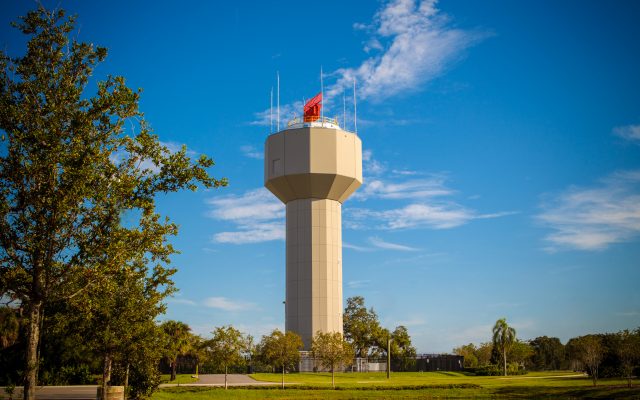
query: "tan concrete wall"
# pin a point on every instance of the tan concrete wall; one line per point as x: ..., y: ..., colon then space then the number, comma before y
x: 314, y: 267
x: 313, y: 163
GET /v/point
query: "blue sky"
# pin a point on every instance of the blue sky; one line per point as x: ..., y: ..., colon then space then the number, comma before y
x: 502, y: 143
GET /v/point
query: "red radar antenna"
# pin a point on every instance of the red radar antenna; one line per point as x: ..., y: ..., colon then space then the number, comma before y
x: 312, y: 108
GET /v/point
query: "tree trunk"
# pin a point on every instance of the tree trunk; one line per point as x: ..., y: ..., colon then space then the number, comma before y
x: 333, y: 377
x: 33, y: 338
x: 283, y: 376
x: 126, y: 381
x: 225, y: 376
x: 173, y: 369
x: 106, y: 374
x: 504, y: 356
x: 197, y: 365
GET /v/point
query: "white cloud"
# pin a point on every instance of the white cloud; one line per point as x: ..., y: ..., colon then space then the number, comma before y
x: 258, y: 216
x: 251, y: 152
x: 435, y: 216
x: 594, y: 218
x: 633, y: 313
x: 411, y: 44
x: 629, y: 132
x: 404, y: 172
x: 223, y: 303
x: 358, y: 284
x: 287, y: 112
x: 413, y: 321
x: 181, y: 301
x: 410, y: 189
x: 378, y: 242
x: 346, y: 245
x: 432, y: 205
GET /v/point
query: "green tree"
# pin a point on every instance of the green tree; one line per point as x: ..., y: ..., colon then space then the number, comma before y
x: 69, y: 169
x: 483, y: 353
x: 281, y: 350
x: 9, y: 326
x: 228, y: 347
x: 628, y: 351
x: 332, y: 351
x: 590, y: 352
x: 361, y: 327
x: 520, y: 354
x: 503, y: 338
x: 122, y: 308
x: 178, y: 338
x: 548, y: 353
x: 468, y: 351
x: 198, y: 349
x: 402, y: 351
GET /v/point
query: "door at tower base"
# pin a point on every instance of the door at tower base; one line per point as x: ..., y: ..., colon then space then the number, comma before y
x: 313, y: 170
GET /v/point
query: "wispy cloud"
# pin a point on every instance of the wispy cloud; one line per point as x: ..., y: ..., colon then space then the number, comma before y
x: 382, y: 244
x: 225, y: 304
x: 432, y: 203
x: 251, y: 152
x: 358, y: 284
x: 633, y: 313
x: 594, y: 218
x: 257, y: 215
x: 411, y: 43
x: 412, y: 321
x: 287, y: 112
x: 410, y: 189
x: 350, y: 246
x: 174, y: 300
x: 412, y: 215
x: 628, y: 132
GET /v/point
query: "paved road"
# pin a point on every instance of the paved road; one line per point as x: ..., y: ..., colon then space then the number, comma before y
x: 88, y: 392
x: 218, y: 380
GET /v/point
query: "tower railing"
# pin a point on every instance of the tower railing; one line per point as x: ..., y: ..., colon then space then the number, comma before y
x: 300, y: 121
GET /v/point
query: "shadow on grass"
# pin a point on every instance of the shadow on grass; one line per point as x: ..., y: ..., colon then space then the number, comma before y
x: 556, y: 392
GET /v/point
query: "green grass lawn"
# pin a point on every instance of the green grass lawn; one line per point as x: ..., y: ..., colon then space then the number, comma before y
x: 415, y: 385
x: 180, y: 379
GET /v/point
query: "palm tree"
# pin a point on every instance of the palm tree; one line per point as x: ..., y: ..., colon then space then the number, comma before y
x: 503, y: 338
x: 178, y: 342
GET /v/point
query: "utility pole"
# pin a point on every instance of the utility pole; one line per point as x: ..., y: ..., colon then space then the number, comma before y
x: 388, y: 357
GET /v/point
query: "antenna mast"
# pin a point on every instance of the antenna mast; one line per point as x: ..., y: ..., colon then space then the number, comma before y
x: 278, y: 76
x: 344, y: 110
x: 271, y: 111
x: 355, y: 109
x: 322, y: 97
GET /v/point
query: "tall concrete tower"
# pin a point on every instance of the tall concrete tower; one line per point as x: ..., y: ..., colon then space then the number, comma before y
x: 313, y: 166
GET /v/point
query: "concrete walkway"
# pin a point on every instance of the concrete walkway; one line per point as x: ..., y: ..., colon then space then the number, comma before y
x: 88, y: 392
x: 78, y: 392
x: 218, y: 380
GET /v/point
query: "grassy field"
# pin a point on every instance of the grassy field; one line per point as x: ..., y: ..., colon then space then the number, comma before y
x: 544, y: 385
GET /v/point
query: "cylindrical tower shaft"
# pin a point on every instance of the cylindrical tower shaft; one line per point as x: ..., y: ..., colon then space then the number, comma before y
x: 314, y: 267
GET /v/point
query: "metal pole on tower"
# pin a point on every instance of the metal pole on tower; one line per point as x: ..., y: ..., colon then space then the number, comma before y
x: 344, y: 111
x: 278, y: 122
x: 355, y: 109
x: 322, y: 97
x: 271, y: 111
